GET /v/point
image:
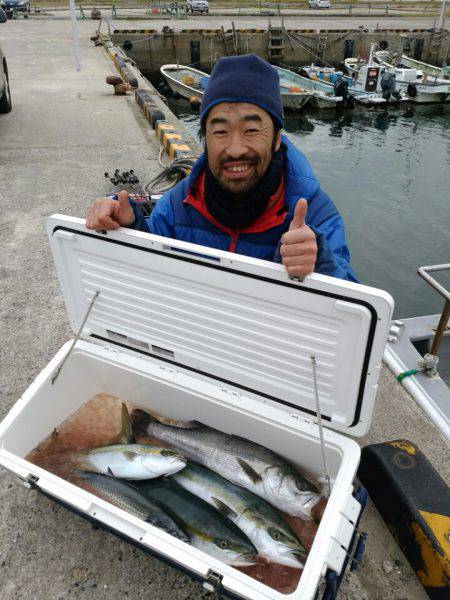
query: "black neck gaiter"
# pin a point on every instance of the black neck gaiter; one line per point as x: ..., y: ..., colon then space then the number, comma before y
x: 238, y: 214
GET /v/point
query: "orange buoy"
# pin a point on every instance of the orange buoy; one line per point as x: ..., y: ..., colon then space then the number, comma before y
x: 294, y: 88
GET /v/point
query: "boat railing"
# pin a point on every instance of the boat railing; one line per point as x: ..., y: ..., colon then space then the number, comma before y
x: 424, y: 272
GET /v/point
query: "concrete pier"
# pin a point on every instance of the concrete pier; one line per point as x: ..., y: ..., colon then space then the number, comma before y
x: 65, y: 131
x: 200, y: 48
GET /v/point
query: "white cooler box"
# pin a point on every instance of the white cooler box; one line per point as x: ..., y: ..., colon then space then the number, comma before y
x: 195, y: 333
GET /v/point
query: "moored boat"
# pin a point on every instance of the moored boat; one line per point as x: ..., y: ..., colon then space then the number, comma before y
x: 190, y: 82
x: 323, y: 92
x: 431, y: 70
x: 183, y: 80
x: 418, y: 353
x: 292, y: 81
x: 411, y: 82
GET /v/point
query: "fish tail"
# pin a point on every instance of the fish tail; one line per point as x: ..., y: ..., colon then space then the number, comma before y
x: 141, y: 420
x: 126, y: 431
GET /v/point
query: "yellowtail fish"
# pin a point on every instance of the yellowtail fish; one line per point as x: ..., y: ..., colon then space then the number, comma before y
x: 127, y: 460
x: 264, y: 527
x: 208, y: 530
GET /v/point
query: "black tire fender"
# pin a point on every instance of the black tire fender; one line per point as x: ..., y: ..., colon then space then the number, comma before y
x: 411, y: 90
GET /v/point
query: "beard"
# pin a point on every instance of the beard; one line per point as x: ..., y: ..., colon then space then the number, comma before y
x: 238, y: 187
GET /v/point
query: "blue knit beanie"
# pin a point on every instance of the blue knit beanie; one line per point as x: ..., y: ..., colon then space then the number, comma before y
x: 245, y: 78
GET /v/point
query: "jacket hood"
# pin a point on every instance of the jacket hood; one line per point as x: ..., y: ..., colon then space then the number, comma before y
x: 299, y: 179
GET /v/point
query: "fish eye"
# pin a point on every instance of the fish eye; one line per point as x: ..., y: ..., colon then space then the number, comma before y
x: 275, y: 534
x: 223, y: 544
x: 301, y: 485
x: 168, y: 453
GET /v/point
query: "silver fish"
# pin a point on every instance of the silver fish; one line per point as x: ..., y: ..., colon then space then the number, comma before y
x: 241, y: 461
x: 128, y: 498
x: 209, y: 531
x: 264, y: 527
x: 129, y: 461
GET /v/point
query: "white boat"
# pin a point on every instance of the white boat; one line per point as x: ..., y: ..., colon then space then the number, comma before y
x: 418, y: 353
x: 190, y: 82
x: 318, y: 97
x: 431, y: 70
x: 420, y: 89
x: 352, y: 65
x: 327, y: 74
x: 323, y: 93
x: 412, y: 82
x: 366, y: 85
x: 186, y: 81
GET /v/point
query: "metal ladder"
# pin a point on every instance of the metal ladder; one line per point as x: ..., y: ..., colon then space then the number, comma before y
x: 231, y: 41
x: 435, y: 43
x: 322, y: 43
x: 275, y: 43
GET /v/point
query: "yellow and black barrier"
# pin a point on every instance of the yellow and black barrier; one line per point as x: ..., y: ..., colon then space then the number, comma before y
x: 171, y: 139
x: 414, y: 501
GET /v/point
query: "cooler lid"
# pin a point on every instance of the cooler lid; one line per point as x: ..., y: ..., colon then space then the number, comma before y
x: 239, y: 320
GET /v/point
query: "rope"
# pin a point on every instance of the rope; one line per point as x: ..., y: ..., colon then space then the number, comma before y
x: 319, y: 422
x: 409, y: 373
x: 174, y: 172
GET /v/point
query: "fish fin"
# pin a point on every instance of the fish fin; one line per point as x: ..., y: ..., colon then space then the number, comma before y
x: 129, y: 455
x: 126, y: 431
x: 110, y: 473
x: 176, y: 423
x: 223, y: 508
x: 141, y: 420
x: 249, y: 471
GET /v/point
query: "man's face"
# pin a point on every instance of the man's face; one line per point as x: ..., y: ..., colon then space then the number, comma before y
x: 239, y: 142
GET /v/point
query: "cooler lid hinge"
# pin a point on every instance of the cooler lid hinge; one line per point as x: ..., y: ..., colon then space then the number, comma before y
x: 212, y: 581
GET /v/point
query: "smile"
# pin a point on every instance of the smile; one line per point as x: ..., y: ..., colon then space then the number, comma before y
x: 239, y: 169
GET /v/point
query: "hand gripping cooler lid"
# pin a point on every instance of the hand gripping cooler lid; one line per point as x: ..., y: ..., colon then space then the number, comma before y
x: 239, y: 320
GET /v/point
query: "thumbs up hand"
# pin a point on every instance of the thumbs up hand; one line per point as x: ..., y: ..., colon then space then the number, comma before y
x: 298, y: 245
x: 110, y: 214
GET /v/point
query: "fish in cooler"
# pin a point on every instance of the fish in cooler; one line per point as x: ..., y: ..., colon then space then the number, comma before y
x: 207, y: 528
x: 272, y: 537
x: 128, y: 498
x: 241, y: 461
x: 129, y: 461
x: 126, y: 459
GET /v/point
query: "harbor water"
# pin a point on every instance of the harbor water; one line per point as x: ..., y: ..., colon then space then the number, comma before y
x: 388, y: 172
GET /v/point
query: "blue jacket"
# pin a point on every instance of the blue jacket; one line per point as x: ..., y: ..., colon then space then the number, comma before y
x: 176, y: 219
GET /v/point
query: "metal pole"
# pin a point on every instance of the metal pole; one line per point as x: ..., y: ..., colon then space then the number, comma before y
x: 76, y: 50
x: 443, y: 321
x: 441, y: 16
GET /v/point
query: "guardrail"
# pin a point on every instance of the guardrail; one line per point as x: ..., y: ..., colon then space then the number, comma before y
x: 424, y: 272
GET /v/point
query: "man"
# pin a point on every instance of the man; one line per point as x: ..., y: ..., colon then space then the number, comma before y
x: 251, y: 192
